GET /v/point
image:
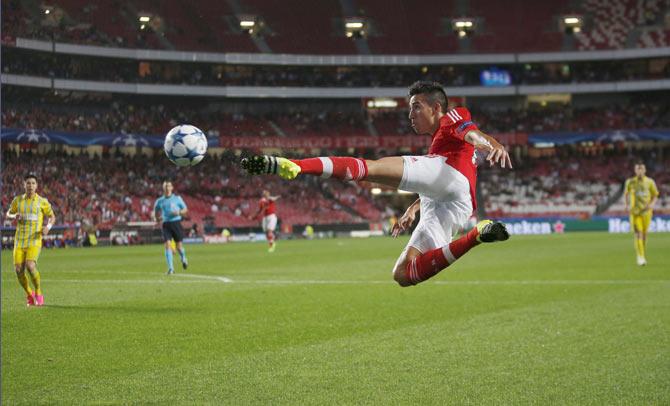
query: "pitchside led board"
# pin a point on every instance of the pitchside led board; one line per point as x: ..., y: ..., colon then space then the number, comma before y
x: 659, y: 224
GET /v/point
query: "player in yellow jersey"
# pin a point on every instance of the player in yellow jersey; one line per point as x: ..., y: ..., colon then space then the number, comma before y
x: 640, y: 195
x: 29, y: 209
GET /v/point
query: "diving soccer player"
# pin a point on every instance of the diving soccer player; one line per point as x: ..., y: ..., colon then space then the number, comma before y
x: 640, y: 194
x: 29, y: 210
x: 444, y: 179
x: 170, y: 208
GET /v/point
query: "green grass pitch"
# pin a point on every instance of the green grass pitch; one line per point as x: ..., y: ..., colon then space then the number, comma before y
x: 562, y: 319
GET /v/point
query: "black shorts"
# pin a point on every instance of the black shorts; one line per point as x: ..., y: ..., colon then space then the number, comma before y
x: 172, y: 231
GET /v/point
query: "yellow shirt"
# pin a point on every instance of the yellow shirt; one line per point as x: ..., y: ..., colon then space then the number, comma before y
x: 32, y: 211
x: 641, y: 192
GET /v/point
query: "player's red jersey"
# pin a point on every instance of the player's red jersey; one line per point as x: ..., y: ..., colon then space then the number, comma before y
x: 449, y: 141
x: 267, y: 206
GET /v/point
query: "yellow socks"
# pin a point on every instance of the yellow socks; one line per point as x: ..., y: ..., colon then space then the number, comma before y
x: 35, y: 277
x: 640, y: 248
x: 23, y: 281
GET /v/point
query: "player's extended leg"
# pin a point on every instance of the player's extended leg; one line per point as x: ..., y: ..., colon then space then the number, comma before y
x: 31, y: 266
x: 182, y: 254
x: 414, y: 267
x: 387, y: 171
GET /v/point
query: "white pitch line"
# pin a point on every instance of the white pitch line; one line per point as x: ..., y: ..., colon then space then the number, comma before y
x: 209, y: 277
x: 128, y: 281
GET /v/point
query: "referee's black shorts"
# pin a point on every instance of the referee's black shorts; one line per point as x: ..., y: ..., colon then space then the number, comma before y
x: 172, y: 231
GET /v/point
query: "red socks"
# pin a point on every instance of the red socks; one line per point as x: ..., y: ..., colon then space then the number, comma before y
x: 430, y: 263
x: 270, y: 235
x: 345, y: 168
x: 425, y: 266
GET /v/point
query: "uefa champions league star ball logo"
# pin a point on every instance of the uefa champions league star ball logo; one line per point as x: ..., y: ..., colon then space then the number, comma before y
x: 33, y: 136
x: 130, y: 140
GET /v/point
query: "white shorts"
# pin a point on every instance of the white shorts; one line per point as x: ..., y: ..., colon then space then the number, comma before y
x: 269, y: 222
x: 446, y: 204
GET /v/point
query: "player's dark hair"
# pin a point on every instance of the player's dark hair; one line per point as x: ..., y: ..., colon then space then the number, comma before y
x: 433, y: 90
x: 30, y: 176
x: 639, y: 162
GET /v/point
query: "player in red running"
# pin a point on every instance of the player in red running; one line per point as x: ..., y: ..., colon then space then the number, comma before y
x: 445, y: 180
x: 266, y: 205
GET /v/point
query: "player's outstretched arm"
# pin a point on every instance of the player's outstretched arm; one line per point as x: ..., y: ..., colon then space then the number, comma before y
x: 484, y: 142
x: 406, y: 220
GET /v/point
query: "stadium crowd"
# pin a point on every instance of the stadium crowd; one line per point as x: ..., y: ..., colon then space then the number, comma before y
x: 571, y: 184
x: 82, y: 189
x: 66, y: 66
x: 148, y: 118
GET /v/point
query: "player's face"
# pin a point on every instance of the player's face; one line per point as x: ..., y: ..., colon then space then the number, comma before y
x: 640, y: 170
x: 168, y: 188
x: 30, y: 185
x: 423, y: 117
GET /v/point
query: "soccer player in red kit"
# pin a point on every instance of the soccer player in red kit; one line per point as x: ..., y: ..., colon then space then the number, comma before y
x: 445, y: 180
x: 266, y: 205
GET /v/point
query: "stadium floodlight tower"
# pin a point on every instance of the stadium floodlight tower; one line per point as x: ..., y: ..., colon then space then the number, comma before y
x: 463, y: 27
x: 355, y: 27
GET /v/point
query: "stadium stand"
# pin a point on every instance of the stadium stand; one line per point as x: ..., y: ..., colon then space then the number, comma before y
x: 82, y: 189
x: 502, y: 19
x: 300, y: 26
x: 613, y: 22
x: 158, y: 118
x: 54, y: 65
x: 567, y: 185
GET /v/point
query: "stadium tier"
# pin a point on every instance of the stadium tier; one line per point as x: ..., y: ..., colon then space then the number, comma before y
x: 134, y: 117
x: 305, y: 27
x: 217, y: 193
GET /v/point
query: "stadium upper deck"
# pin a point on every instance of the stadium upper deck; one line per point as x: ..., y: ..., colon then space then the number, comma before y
x: 318, y: 27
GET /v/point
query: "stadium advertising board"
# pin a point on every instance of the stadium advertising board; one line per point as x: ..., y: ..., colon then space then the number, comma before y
x: 659, y: 224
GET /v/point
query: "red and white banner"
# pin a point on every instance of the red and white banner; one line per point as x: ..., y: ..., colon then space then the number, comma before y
x: 355, y: 141
x: 326, y: 142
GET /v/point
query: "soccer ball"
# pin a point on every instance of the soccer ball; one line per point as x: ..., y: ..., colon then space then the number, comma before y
x: 185, y: 145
